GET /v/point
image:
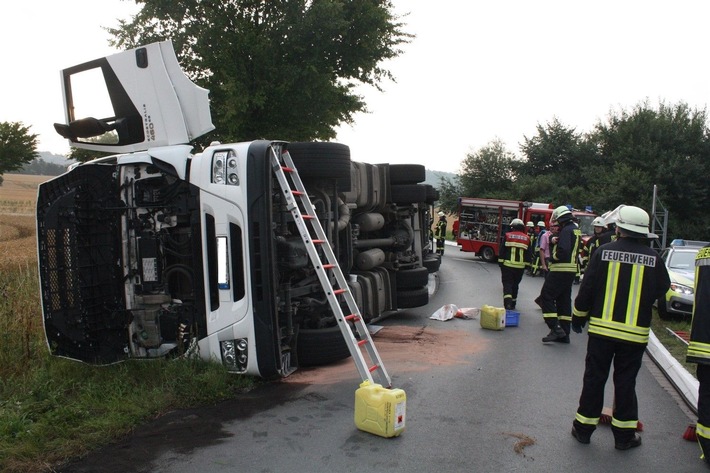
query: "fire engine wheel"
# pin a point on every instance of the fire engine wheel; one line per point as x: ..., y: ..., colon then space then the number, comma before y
x: 412, y: 278
x: 413, y: 297
x: 409, y: 193
x: 488, y: 255
x: 321, y: 346
x: 322, y: 161
x: 407, y: 173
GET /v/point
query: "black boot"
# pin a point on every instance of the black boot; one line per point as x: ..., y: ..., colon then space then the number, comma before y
x: 556, y: 334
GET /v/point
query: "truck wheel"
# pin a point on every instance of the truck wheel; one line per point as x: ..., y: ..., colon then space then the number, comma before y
x: 321, y: 346
x: 407, y: 173
x: 432, y: 264
x: 409, y: 278
x: 408, y: 193
x: 322, y: 161
x: 432, y: 195
x: 412, y: 297
x: 488, y: 255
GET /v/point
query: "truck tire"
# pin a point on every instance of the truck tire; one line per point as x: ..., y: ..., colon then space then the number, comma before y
x: 412, y: 278
x: 321, y: 346
x: 407, y: 174
x: 322, y: 161
x: 432, y: 263
x: 408, y: 193
x: 412, y: 298
x: 488, y: 255
x: 432, y: 195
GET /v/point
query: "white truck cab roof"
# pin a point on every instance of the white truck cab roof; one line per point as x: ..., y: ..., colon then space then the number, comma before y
x: 133, y: 101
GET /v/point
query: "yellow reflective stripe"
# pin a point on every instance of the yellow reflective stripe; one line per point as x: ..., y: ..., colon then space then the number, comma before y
x: 565, y: 317
x: 699, y: 349
x: 580, y: 313
x: 618, y: 330
x: 612, y: 277
x: 624, y: 424
x: 515, y: 244
x: 702, y: 430
x: 550, y: 315
x: 634, y: 302
x: 566, y: 267
x: 586, y: 420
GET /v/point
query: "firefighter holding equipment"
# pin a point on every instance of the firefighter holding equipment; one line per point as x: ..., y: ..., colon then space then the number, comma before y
x: 556, y: 294
x: 616, y: 296
x: 699, y: 348
x: 512, y: 261
x: 440, y: 233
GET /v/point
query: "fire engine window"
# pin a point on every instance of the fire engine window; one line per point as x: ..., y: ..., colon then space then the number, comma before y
x: 237, y: 247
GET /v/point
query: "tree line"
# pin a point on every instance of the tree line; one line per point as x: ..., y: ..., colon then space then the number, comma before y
x: 618, y: 162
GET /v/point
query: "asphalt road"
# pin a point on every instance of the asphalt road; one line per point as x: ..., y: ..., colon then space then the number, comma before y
x: 503, y: 403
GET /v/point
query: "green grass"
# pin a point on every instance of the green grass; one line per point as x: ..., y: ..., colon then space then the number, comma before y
x: 674, y: 346
x: 52, y: 409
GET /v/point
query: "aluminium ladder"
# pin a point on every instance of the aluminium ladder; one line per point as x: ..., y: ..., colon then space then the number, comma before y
x: 299, y: 204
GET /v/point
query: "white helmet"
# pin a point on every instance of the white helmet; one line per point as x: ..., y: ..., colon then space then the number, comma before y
x: 634, y: 220
x: 561, y: 214
x: 517, y: 223
x: 598, y: 222
x: 441, y: 214
x: 541, y: 224
x: 530, y: 224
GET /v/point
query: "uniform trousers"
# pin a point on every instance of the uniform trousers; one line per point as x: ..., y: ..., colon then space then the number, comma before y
x: 627, y: 357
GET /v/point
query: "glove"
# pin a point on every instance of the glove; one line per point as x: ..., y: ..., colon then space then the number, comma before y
x: 578, y: 324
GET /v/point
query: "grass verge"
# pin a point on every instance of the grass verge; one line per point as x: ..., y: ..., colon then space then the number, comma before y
x: 52, y: 409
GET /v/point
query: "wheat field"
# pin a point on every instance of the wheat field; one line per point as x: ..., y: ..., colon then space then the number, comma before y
x: 18, y: 197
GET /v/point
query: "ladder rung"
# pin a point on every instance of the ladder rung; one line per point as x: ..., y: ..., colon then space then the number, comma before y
x: 373, y: 368
x: 361, y: 342
x: 307, y: 217
x: 297, y: 193
x: 339, y: 291
x: 318, y: 242
x: 354, y: 317
x: 287, y: 169
x: 328, y: 266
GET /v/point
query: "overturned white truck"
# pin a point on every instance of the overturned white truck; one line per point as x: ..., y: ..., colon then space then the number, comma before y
x: 156, y: 252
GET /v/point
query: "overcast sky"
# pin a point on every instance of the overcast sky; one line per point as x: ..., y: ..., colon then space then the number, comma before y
x: 476, y: 71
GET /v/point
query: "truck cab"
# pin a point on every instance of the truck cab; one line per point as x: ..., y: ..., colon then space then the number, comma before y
x: 159, y: 251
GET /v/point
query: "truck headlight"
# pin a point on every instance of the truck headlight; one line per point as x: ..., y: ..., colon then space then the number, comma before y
x: 225, y: 168
x: 235, y: 354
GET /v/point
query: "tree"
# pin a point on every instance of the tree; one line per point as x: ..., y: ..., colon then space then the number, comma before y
x: 17, y: 146
x: 281, y: 69
x: 488, y: 172
x: 449, y: 193
x: 669, y: 147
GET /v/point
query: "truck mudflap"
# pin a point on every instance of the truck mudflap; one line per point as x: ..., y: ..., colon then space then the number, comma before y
x: 79, y: 256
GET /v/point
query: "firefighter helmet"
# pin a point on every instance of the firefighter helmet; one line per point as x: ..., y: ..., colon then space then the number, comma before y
x: 442, y: 214
x: 530, y: 225
x: 562, y: 214
x: 541, y: 224
x: 633, y: 220
x: 517, y: 223
x: 598, y: 222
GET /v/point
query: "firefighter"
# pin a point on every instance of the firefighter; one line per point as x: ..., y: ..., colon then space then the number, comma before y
x: 556, y: 294
x: 623, y: 280
x: 530, y: 228
x: 699, y: 348
x: 512, y: 260
x: 601, y: 236
x: 440, y: 233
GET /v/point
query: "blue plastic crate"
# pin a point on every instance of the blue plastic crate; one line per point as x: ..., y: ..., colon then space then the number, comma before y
x: 512, y: 318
